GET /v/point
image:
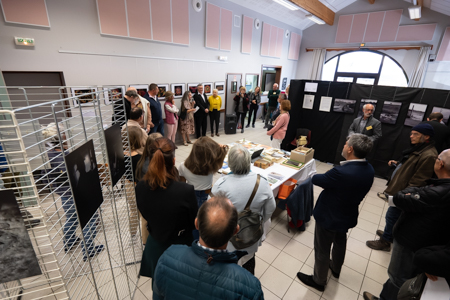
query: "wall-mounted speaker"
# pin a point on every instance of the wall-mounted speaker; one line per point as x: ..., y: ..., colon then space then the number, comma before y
x: 197, y: 5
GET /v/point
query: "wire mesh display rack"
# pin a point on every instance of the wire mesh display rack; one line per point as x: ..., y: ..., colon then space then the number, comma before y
x: 47, y: 204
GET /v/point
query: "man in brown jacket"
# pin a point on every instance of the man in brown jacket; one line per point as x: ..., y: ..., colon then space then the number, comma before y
x: 415, y: 167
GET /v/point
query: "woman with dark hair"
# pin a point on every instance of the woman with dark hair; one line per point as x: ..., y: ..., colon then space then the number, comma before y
x: 255, y: 98
x: 205, y: 159
x: 136, y: 147
x: 142, y: 165
x: 168, y: 205
x: 241, y: 100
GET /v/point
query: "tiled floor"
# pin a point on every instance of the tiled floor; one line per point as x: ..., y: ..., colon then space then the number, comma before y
x: 283, y: 254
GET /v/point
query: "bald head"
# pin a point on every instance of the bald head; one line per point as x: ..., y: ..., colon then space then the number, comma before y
x: 217, y: 221
x: 132, y: 88
x: 442, y: 164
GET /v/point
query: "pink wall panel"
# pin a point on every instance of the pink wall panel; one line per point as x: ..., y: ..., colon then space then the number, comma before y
x: 421, y: 32
x: 343, y: 30
x: 226, y: 27
x: 373, y: 27
x: 265, y: 42
x: 161, y: 22
x: 212, y: 26
x: 112, y: 17
x: 280, y: 38
x: 139, y: 19
x: 294, y: 46
x: 180, y: 21
x: 358, y: 28
x: 444, y: 48
x: 273, y: 41
x: 247, y: 32
x: 390, y: 25
x: 33, y: 12
x: 298, y: 43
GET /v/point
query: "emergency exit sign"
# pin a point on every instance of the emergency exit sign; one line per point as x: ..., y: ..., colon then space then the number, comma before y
x: 24, y: 41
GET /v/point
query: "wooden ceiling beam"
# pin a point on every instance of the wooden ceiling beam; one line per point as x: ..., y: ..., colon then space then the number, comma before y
x: 316, y: 8
x: 371, y: 1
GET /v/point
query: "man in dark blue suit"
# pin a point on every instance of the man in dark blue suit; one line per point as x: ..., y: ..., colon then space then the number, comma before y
x: 155, y: 108
x: 344, y: 187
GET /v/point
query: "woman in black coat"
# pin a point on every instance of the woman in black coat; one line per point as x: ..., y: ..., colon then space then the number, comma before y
x: 168, y: 205
x: 241, y: 100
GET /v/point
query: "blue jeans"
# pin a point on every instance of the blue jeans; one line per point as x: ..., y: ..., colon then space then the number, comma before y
x: 89, y: 231
x: 201, y: 198
x: 159, y: 127
x: 401, y: 268
x: 392, y: 215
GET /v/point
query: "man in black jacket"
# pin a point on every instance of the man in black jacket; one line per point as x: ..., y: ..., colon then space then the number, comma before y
x: 155, y: 108
x: 201, y: 116
x: 441, y: 131
x: 423, y: 222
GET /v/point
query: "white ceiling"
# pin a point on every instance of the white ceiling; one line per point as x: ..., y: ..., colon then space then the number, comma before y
x: 298, y: 20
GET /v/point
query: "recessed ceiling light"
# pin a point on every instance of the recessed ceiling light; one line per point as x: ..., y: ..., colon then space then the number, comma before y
x: 315, y: 19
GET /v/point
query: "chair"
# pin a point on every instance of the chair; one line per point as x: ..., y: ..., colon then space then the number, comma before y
x: 301, y: 131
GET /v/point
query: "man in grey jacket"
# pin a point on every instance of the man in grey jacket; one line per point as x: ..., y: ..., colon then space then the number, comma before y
x: 366, y: 124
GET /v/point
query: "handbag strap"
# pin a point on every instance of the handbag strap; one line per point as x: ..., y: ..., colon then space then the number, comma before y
x: 258, y: 178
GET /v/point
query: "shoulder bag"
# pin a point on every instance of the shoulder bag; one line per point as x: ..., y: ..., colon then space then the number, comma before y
x: 412, y: 289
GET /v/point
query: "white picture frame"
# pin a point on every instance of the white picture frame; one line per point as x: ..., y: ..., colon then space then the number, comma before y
x: 208, y: 88
x: 112, y: 94
x: 178, y: 89
x: 162, y: 89
x: 142, y: 89
x: 220, y: 86
x: 192, y: 87
x: 79, y: 97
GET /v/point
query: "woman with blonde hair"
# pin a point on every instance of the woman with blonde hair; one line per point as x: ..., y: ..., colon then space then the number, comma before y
x: 168, y: 205
x: 187, y: 117
x: 171, y: 116
x: 215, y: 103
x: 241, y: 108
x: 280, y: 124
x: 255, y: 99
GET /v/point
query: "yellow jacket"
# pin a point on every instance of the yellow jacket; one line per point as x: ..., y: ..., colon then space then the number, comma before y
x: 215, y: 102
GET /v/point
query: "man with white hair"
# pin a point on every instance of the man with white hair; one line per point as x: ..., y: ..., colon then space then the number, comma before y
x: 424, y: 222
x: 366, y: 124
x: 238, y: 187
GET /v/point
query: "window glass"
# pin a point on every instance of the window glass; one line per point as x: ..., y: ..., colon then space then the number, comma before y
x: 344, y: 79
x: 360, y: 62
x: 369, y: 81
x: 328, y: 69
x: 392, y: 74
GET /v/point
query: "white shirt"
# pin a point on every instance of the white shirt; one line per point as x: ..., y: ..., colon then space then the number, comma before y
x: 200, y: 182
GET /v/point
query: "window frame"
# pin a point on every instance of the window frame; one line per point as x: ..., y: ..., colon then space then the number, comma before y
x: 355, y: 75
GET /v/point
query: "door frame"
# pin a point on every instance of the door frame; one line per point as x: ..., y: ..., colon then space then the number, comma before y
x: 277, y: 72
x: 226, y: 88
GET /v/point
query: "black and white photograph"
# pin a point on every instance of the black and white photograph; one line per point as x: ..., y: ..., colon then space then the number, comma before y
x: 113, y: 93
x: 84, y: 96
x: 84, y: 179
x: 364, y: 102
x: 17, y: 257
x: 415, y: 115
x: 344, y: 106
x: 389, y: 112
x: 444, y: 111
x: 114, y: 148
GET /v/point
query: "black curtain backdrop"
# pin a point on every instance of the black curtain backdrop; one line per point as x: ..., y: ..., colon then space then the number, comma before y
x: 329, y: 129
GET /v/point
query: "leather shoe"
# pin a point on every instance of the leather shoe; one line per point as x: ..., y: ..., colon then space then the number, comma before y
x: 380, y: 232
x: 382, y: 196
x: 335, y: 275
x: 369, y: 296
x: 309, y: 281
x: 212, y: 134
x: 380, y: 244
x: 217, y: 134
x: 253, y: 125
x: 248, y: 125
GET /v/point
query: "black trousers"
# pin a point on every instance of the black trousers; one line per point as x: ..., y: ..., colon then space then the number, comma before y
x: 242, y: 116
x: 201, y: 122
x: 254, y: 110
x: 323, y: 239
x: 250, y: 265
x: 214, y: 117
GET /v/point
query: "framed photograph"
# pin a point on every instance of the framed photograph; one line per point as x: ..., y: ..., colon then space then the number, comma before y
x: 389, y: 112
x: 178, y: 89
x: 220, y: 86
x: 207, y: 88
x: 234, y: 87
x: 444, y: 111
x: 82, y: 96
x: 364, y: 102
x: 162, y: 89
x: 192, y: 87
x: 142, y: 89
x: 344, y: 106
x: 114, y: 148
x: 415, y: 115
x: 115, y: 93
x: 17, y: 257
x: 308, y: 101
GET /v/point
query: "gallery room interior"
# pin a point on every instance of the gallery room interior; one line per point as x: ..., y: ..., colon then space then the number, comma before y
x: 69, y: 223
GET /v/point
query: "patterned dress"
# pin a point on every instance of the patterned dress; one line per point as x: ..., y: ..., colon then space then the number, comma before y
x: 187, y: 125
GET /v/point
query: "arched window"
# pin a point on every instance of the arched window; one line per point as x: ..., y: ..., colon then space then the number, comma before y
x: 365, y: 67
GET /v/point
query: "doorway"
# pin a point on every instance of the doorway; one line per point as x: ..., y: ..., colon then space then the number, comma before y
x: 251, y: 81
x: 269, y: 76
x: 234, y: 81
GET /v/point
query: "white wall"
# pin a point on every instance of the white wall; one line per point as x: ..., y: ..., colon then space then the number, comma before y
x: 438, y: 73
x: 75, y: 27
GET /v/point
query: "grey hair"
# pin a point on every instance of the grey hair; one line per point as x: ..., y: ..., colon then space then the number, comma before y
x: 50, y: 132
x: 199, y: 85
x: 361, y: 144
x: 365, y: 105
x: 239, y: 160
x: 445, y: 158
